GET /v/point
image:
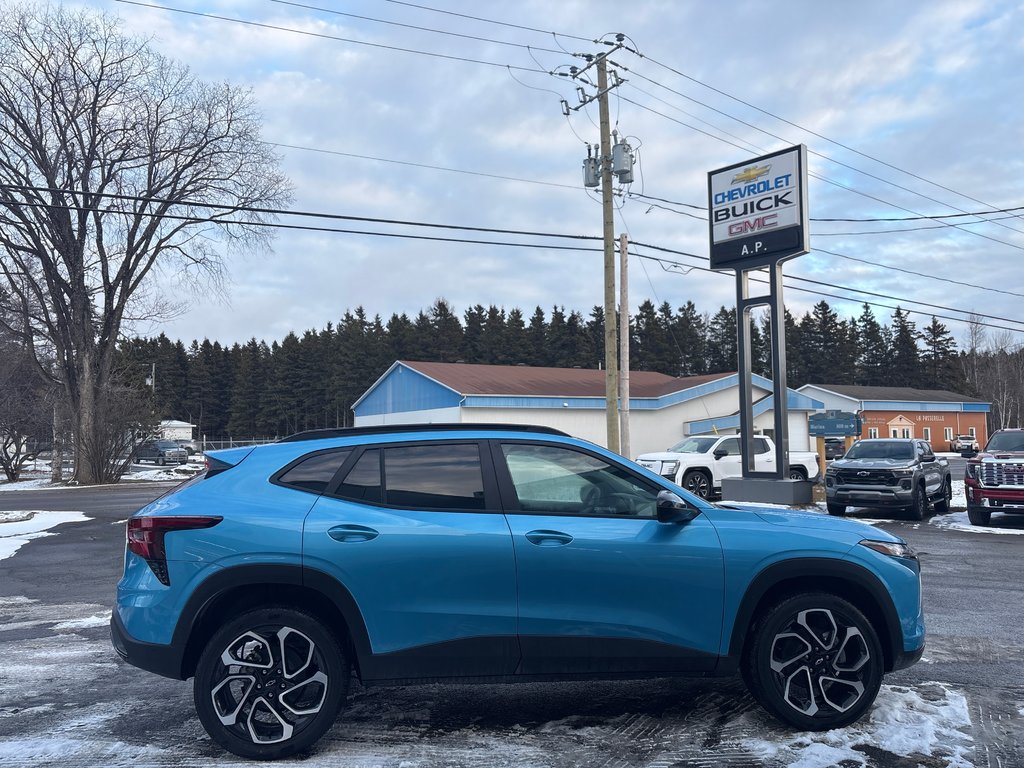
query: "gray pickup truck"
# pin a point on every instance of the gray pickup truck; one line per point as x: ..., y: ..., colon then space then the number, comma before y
x: 895, y: 472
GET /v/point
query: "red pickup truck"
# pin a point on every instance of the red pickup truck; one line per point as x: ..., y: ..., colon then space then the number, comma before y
x: 994, y: 480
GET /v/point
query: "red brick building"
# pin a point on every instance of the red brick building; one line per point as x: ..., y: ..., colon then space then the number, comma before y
x: 930, y: 414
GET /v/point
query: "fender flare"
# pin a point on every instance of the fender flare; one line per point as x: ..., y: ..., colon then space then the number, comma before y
x: 809, y: 568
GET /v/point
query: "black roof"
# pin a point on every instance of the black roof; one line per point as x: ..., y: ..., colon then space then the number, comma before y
x: 383, y: 429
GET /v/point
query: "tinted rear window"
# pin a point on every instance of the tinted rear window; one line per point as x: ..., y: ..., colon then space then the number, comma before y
x: 362, y: 483
x: 434, y: 477
x: 316, y: 472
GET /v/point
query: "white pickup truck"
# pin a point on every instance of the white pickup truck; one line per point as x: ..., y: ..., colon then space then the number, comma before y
x: 698, y: 464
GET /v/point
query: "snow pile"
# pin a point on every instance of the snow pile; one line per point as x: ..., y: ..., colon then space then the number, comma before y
x: 926, y: 721
x: 26, y: 485
x: 958, y: 521
x: 30, y: 525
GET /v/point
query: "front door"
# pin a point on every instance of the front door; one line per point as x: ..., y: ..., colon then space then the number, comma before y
x: 603, y: 586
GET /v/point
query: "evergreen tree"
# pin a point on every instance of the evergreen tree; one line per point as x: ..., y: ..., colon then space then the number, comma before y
x: 516, y: 347
x: 557, y: 344
x: 595, y: 327
x: 873, y: 351
x: 721, y: 344
x: 905, y: 365
x: 580, y: 347
x: 653, y: 348
x: 244, y: 414
x: 494, y: 342
x: 536, y: 336
x: 690, y: 332
x: 446, y: 344
x: 473, y: 346
x: 940, y: 362
x: 401, y: 337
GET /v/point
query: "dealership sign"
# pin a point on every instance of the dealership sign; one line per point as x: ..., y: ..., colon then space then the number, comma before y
x: 758, y: 210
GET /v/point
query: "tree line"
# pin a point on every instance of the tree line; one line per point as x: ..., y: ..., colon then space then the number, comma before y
x: 311, y: 380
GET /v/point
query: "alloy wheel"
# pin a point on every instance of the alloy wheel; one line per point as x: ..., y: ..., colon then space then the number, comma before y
x: 698, y: 484
x: 270, y: 684
x: 820, y: 664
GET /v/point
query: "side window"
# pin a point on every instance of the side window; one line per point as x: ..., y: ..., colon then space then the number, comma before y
x: 434, y: 477
x: 730, y: 446
x: 551, y: 479
x: 760, y: 445
x: 362, y: 483
x: 316, y: 472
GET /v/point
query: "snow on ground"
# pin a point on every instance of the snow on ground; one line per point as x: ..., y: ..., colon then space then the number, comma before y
x: 27, y: 525
x: 34, y: 481
x: 31, y: 484
x: 928, y: 719
x: 958, y: 521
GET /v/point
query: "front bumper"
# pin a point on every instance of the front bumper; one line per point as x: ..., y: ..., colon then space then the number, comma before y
x: 164, y: 660
x: 873, y: 496
x: 1009, y: 499
x: 907, y: 658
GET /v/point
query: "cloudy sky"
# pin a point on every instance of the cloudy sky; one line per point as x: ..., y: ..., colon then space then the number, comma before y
x: 435, y: 112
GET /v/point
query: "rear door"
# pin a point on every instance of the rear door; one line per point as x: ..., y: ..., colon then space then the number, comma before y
x: 415, y: 533
x: 603, y: 586
x: 930, y: 467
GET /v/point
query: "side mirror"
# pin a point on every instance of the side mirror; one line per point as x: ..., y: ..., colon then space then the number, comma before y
x: 720, y: 452
x: 672, y: 509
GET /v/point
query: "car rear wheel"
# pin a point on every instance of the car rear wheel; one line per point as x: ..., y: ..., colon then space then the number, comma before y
x: 797, y: 473
x: 160, y: 460
x: 697, y: 482
x: 270, y: 682
x: 979, y: 515
x: 814, y: 661
x: 942, y: 505
x: 836, y: 509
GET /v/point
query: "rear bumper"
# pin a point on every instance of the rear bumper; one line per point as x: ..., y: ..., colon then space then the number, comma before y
x: 908, y: 658
x: 163, y: 660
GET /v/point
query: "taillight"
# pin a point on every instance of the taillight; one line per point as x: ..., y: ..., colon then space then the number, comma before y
x: 146, y: 538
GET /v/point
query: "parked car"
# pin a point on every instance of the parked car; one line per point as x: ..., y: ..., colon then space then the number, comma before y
x: 994, y: 480
x: 965, y: 443
x: 889, y: 472
x: 495, y: 553
x: 835, y: 447
x: 700, y: 463
x: 161, y: 452
x: 191, y: 446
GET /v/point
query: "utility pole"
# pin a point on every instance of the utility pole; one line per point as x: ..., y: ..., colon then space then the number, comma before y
x: 611, y: 365
x: 624, y: 342
x: 612, y: 161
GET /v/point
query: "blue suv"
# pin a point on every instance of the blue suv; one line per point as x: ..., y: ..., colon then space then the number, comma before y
x: 490, y: 553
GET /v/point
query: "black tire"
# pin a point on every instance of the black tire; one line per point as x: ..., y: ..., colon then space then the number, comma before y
x: 979, y: 515
x: 836, y: 509
x: 797, y: 473
x: 243, y: 706
x: 814, y: 661
x: 941, y: 505
x: 918, y: 503
x: 698, y: 482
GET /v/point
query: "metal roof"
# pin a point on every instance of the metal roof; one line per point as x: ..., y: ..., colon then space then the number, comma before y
x: 901, y: 394
x: 522, y: 380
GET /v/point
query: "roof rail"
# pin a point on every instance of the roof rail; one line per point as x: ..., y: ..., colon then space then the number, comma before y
x: 381, y: 429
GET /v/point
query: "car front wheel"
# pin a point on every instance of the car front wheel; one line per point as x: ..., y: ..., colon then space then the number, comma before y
x: 697, y: 482
x: 918, y: 503
x: 814, y: 661
x: 979, y: 515
x: 942, y: 505
x: 270, y: 682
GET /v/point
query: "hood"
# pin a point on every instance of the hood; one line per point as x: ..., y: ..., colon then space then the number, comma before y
x: 665, y: 456
x: 816, y: 521
x: 1017, y: 455
x: 873, y: 464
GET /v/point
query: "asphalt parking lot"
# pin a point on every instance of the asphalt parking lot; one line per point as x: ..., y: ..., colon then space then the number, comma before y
x: 67, y: 700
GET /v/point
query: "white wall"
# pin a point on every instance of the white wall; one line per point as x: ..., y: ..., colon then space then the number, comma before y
x: 431, y: 416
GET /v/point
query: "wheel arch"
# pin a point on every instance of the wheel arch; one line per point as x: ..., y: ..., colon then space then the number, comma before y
x: 234, y: 590
x: 846, y: 580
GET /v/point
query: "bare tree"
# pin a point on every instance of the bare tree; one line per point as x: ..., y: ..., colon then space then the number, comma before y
x: 115, y: 164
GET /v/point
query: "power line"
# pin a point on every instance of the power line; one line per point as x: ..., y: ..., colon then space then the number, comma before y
x: 401, y: 222
x: 490, y: 21
x: 413, y: 26
x: 324, y: 36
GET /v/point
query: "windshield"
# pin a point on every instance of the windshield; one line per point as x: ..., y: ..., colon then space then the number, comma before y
x: 1006, y: 441
x: 694, y: 445
x: 883, y: 449
x: 165, y: 444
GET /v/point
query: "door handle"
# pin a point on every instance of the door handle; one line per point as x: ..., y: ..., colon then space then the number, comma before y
x: 548, y: 538
x: 352, y: 533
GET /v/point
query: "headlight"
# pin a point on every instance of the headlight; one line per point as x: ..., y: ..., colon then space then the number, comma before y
x: 669, y: 467
x: 906, y: 472
x: 891, y: 548
x: 974, y: 470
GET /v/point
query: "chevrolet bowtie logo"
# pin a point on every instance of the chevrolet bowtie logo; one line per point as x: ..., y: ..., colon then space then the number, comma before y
x: 751, y: 174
